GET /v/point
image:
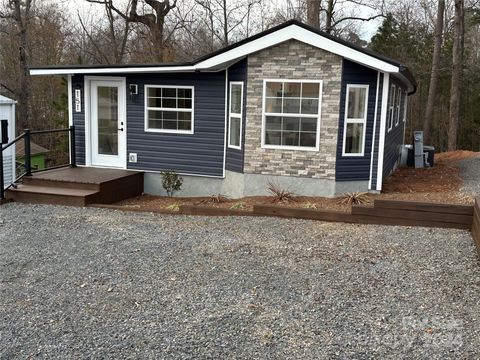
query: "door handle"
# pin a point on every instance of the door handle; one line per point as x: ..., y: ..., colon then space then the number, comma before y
x: 121, y: 129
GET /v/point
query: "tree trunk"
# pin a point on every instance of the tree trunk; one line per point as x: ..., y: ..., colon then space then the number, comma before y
x: 329, y: 20
x: 313, y: 13
x: 432, y: 90
x: 457, y: 67
x: 225, y: 23
x: 23, y: 96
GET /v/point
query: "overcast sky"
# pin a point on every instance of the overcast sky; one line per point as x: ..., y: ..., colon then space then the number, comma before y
x: 367, y: 29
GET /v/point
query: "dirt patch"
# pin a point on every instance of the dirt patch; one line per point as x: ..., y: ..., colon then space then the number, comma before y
x: 440, y: 183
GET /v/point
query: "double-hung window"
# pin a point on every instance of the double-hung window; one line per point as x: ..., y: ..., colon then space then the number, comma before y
x: 398, y: 101
x: 355, y: 120
x: 169, y: 109
x: 291, y: 117
x: 391, y: 107
x: 235, y: 115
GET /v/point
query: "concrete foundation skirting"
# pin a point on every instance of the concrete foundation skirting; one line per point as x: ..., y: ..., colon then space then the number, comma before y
x: 236, y: 185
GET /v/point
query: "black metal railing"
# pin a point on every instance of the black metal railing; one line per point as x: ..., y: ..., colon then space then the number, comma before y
x: 27, y: 138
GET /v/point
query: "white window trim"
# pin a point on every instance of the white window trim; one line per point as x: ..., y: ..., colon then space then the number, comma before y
x: 318, y: 117
x: 167, y: 131
x: 391, y: 108
x: 355, y: 121
x: 398, y: 105
x: 235, y: 115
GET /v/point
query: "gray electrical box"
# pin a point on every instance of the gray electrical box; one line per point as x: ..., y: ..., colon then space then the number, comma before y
x: 418, y: 149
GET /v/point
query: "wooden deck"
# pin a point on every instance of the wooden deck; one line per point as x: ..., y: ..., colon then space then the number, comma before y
x: 79, y: 186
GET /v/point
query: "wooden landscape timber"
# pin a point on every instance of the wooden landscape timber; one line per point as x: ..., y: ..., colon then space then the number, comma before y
x: 476, y: 224
x: 383, y: 212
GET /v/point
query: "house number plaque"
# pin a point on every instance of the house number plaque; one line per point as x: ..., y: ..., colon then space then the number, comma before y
x: 78, y: 100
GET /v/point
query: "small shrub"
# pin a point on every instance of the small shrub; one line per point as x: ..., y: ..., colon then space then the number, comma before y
x: 173, y: 207
x: 279, y: 194
x: 215, y: 199
x: 354, y: 198
x: 309, y: 205
x: 238, y: 206
x: 171, y: 182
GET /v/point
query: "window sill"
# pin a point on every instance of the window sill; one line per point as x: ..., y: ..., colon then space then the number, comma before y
x: 290, y: 148
x: 158, y: 131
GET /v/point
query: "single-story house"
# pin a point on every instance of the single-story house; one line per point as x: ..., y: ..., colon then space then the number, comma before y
x: 37, y: 155
x: 292, y: 105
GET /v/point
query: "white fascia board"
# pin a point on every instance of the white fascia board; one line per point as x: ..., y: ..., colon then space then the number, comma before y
x: 116, y: 70
x: 303, y: 35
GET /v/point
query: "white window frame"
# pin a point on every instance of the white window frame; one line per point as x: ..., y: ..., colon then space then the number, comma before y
x: 391, y: 107
x: 318, y: 117
x: 235, y: 115
x: 170, y: 131
x: 398, y: 101
x: 355, y: 120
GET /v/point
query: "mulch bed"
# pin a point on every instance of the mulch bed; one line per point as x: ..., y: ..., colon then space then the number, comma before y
x: 440, y: 183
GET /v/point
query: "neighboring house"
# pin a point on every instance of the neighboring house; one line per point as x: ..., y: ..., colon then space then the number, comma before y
x: 37, y: 155
x: 291, y: 105
x: 7, y: 112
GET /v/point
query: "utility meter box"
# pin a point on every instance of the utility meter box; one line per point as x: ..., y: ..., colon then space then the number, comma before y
x: 418, y: 149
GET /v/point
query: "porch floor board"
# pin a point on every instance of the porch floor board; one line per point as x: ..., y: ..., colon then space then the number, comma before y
x: 78, y: 186
x: 83, y: 175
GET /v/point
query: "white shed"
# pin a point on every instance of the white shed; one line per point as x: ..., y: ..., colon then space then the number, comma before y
x: 7, y: 112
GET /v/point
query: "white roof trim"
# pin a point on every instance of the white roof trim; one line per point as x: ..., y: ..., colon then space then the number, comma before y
x: 112, y: 70
x: 298, y: 33
x: 287, y: 33
x: 5, y: 100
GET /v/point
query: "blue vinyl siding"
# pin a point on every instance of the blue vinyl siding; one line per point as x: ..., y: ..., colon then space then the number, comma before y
x: 393, y: 138
x: 376, y: 140
x: 237, y: 72
x: 356, y: 168
x: 200, y: 153
x: 79, y: 120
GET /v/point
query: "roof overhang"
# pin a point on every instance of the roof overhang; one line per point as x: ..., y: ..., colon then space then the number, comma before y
x: 219, y: 60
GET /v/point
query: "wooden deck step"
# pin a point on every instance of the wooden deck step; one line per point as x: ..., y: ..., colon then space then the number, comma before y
x: 51, y: 195
x: 78, y: 186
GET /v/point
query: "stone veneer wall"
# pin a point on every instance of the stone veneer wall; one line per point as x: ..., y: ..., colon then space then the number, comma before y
x: 293, y: 60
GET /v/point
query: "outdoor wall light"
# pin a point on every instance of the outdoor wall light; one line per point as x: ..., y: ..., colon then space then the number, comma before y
x: 133, y: 89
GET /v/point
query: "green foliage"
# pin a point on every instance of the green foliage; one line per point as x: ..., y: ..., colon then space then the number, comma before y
x: 238, y: 206
x: 171, y: 182
x: 309, y: 205
x: 175, y: 207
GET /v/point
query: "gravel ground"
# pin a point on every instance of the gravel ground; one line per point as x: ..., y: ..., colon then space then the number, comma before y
x: 91, y: 283
x: 470, y: 173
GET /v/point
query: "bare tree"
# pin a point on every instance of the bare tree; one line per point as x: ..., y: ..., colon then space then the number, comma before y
x: 154, y: 20
x: 457, y: 68
x: 108, y: 38
x: 19, y: 12
x: 313, y: 13
x: 223, y: 17
x: 335, y: 16
x: 432, y: 91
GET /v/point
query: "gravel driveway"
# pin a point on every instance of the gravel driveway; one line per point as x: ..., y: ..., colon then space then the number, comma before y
x: 90, y: 283
x: 470, y: 174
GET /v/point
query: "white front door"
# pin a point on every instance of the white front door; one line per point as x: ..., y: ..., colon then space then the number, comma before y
x: 108, y: 123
